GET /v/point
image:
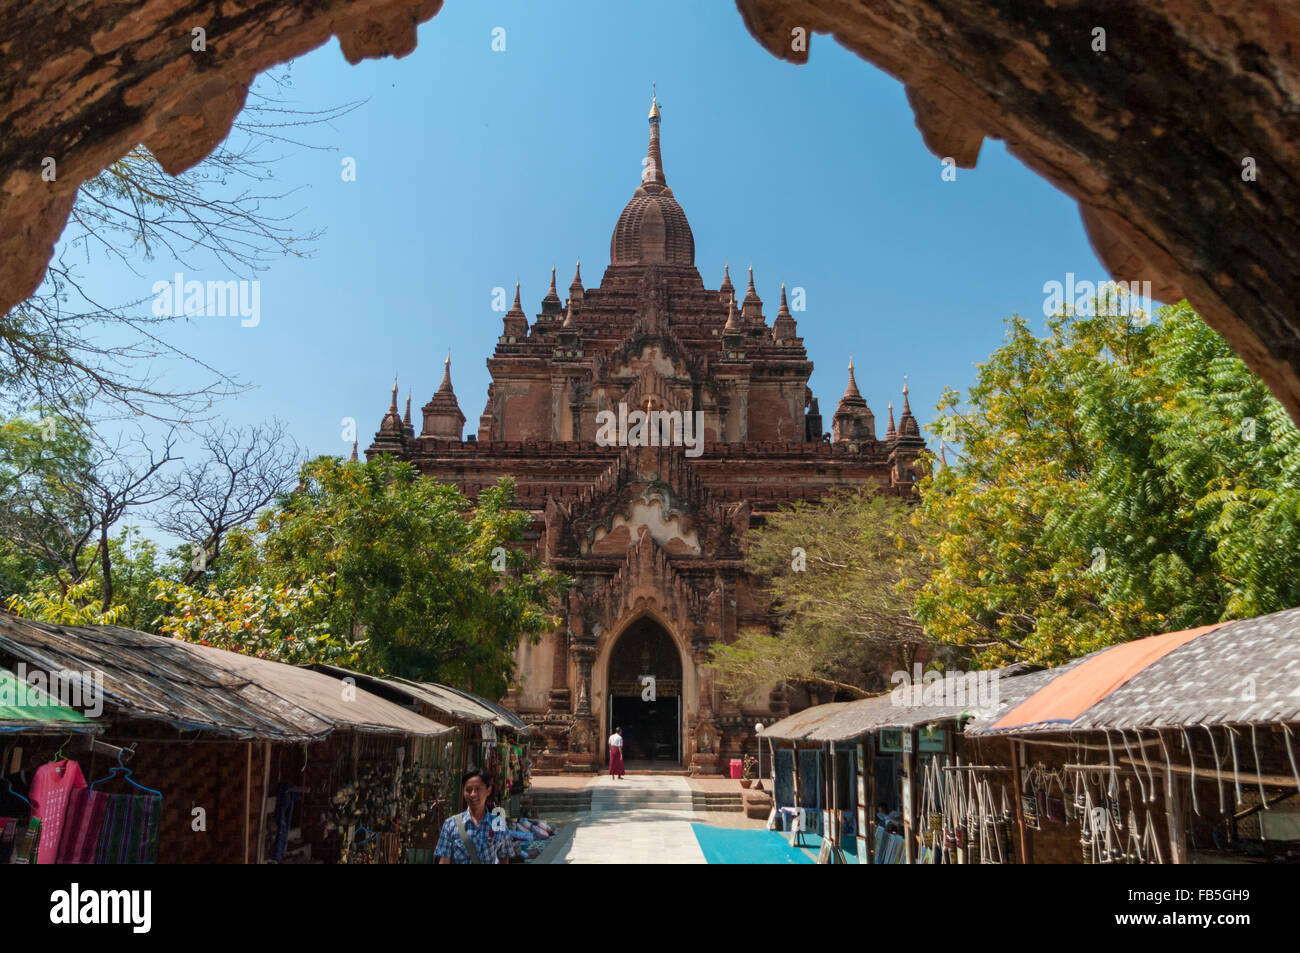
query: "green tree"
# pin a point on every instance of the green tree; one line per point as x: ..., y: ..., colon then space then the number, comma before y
x: 1117, y: 478
x: 842, y: 574
x: 437, y: 587
x: 46, y: 532
x: 78, y: 604
x: 282, y: 623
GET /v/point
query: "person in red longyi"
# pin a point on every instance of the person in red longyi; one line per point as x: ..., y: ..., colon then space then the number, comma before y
x: 616, y: 753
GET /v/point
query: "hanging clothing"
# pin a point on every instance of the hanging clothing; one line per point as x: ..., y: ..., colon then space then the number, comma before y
x: 28, y: 841
x: 83, y: 826
x: 8, y: 835
x: 52, y: 787
x: 285, y: 800
x: 129, y: 834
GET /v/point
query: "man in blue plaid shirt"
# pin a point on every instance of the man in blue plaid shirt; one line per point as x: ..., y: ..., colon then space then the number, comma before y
x: 468, y: 837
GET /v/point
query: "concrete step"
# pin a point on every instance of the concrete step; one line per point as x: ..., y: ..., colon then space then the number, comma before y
x: 561, y: 802
x: 717, y: 801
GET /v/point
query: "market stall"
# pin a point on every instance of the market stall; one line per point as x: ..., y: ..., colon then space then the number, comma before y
x: 490, y: 737
x: 191, y: 747
x: 1177, y: 748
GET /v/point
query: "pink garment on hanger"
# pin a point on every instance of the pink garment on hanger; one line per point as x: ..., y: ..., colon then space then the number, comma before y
x: 52, y: 787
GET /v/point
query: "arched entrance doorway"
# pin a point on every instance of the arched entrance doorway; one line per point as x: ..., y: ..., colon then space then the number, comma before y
x: 645, y: 695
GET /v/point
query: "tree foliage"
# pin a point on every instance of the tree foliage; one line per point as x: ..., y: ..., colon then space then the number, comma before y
x: 65, y: 499
x: 1117, y: 478
x: 842, y: 574
x: 281, y: 623
x: 79, y: 604
x: 437, y: 587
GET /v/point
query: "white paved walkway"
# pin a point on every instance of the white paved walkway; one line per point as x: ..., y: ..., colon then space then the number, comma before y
x: 642, y: 819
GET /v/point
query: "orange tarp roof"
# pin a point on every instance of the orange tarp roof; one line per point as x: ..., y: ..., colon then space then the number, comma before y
x: 1069, y: 696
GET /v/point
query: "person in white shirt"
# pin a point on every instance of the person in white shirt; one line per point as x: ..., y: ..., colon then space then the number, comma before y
x: 616, y: 754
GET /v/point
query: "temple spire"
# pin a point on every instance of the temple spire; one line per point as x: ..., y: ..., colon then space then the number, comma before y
x: 752, y: 306
x: 852, y: 389
x: 732, y: 324
x: 445, y: 386
x: 392, y: 421
x: 890, y: 432
x: 784, y: 329
x: 515, y: 323
x: 551, y: 305
x: 853, y: 421
x: 443, y: 419
x: 654, y: 161
x: 907, y: 425
x: 575, y: 287
x: 353, y: 458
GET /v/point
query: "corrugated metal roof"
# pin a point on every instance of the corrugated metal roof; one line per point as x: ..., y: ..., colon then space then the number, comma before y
x: 1012, y: 692
x: 443, y: 699
x: 455, y: 704
x: 845, y: 721
x: 801, y: 724
x: 1247, y: 672
x: 198, y: 688
x: 502, y: 717
x: 323, y: 696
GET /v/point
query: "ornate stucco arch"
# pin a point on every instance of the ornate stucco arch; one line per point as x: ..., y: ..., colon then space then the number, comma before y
x: 644, y: 609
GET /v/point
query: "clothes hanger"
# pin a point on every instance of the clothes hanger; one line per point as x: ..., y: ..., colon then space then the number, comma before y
x: 58, y: 755
x: 126, y: 776
x: 9, y: 785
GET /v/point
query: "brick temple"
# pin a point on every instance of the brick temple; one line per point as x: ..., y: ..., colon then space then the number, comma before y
x: 653, y: 535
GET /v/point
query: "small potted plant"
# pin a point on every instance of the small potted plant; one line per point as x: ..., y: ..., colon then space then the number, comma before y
x: 748, y: 770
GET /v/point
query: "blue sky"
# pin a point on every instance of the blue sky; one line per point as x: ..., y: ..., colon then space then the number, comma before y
x: 477, y: 168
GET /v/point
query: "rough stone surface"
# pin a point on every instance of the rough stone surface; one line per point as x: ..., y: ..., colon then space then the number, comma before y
x: 84, y: 82
x: 1150, y: 136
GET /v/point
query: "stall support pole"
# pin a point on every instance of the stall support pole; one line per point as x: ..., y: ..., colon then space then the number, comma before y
x: 872, y: 798
x: 1174, y: 815
x: 1019, y: 805
x: 909, y: 792
x: 828, y: 807
x: 838, y: 856
x: 261, y: 821
x: 774, y: 817
x: 798, y: 788
x: 248, y: 797
x: 862, y: 845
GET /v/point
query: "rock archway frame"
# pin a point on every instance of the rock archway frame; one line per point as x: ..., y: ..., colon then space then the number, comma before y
x: 1150, y: 136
